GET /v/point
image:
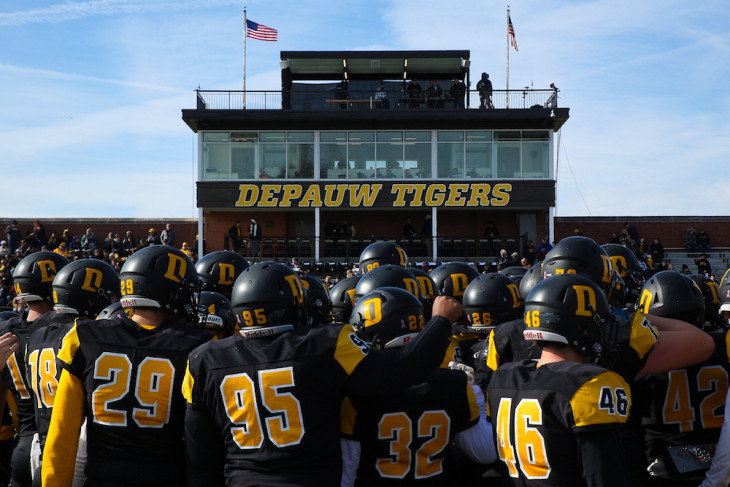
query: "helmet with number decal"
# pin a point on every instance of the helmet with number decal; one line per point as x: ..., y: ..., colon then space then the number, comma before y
x: 85, y: 287
x: 427, y: 288
x: 387, y: 275
x: 711, y: 292
x: 114, y: 310
x: 452, y: 278
x: 382, y: 253
x: 387, y: 317
x: 530, y: 279
x: 268, y: 295
x: 319, y: 305
x: 219, y: 270
x: 160, y: 276
x: 568, y: 309
x: 628, y: 267
x: 215, y: 313
x: 342, y: 295
x: 33, y: 276
x: 673, y: 295
x: 490, y: 300
x: 583, y: 256
x: 516, y: 273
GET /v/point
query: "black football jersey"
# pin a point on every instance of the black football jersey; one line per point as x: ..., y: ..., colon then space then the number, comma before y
x: 540, y: 413
x: 507, y: 344
x: 41, y: 371
x: 404, y: 439
x: 628, y: 340
x: 14, y: 375
x: 275, y: 403
x: 685, y: 406
x: 132, y: 378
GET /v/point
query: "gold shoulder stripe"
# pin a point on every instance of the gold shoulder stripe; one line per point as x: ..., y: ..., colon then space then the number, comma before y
x: 492, y: 354
x: 604, y: 399
x: 188, y: 384
x: 350, y: 349
x: 473, y: 406
x: 643, y: 335
x: 348, y: 415
x: 69, y: 346
x: 450, y: 355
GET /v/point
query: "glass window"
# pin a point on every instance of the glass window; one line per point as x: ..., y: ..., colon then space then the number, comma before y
x: 478, y: 136
x: 390, y: 136
x: 272, y: 136
x: 362, y: 161
x: 243, y: 160
x: 450, y: 160
x: 300, y: 136
x: 418, y: 136
x: 333, y: 161
x: 450, y: 136
x: 389, y: 160
x: 417, y: 161
x: 362, y: 137
x: 215, y: 137
x: 535, y: 160
x: 508, y: 160
x: 272, y: 161
x: 535, y: 135
x: 512, y: 135
x: 300, y: 161
x: 216, y: 161
x: 479, y: 160
x: 333, y: 137
x: 244, y: 136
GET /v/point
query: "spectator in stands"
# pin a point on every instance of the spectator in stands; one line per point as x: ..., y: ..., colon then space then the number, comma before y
x: 504, y: 260
x: 543, y: 249
x: 235, y: 236
x: 152, y: 238
x: 457, y: 92
x: 381, y: 98
x: 690, y: 240
x: 61, y: 249
x: 703, y: 265
x: 414, y: 93
x: 7, y: 293
x: 4, y: 248
x: 491, y: 230
x: 188, y: 251
x: 53, y: 241
x: 255, y: 233
x: 530, y: 252
x: 662, y: 266
x: 408, y: 229
x: 12, y: 235
x: 642, y: 249
x: 75, y: 245
x: 633, y: 234
x: 347, y: 229
x: 328, y: 282
x: 427, y: 235
x: 167, y: 237
x: 524, y: 263
x: 484, y: 87
x: 656, y: 250
x: 342, y: 94
x: 40, y: 233
x: 66, y: 237
x: 435, y: 94
x: 614, y: 239
x: 117, y: 246
x: 108, y: 241
x: 89, y: 240
x: 129, y: 243
x: 703, y: 241
x: 294, y: 264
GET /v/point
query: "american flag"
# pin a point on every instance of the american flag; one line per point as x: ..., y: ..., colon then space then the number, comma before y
x: 259, y: 32
x: 511, y: 31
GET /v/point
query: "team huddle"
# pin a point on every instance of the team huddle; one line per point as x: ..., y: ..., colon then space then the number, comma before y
x: 576, y: 371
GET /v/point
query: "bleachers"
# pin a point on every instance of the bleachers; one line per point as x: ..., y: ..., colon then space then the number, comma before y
x: 719, y: 259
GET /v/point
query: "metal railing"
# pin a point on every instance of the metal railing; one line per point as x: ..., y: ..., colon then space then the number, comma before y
x: 354, y: 100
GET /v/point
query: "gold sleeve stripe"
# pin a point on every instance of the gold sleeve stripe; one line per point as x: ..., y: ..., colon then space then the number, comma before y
x: 473, y: 406
x: 348, y: 415
x: 187, y: 385
x: 642, y: 339
x: 450, y: 355
x: 489, y: 410
x: 69, y: 346
x: 727, y: 344
x: 347, y: 354
x: 591, y: 403
x: 492, y: 355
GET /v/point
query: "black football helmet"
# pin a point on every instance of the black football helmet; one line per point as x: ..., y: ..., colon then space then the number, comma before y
x: 516, y: 273
x: 569, y: 309
x: 452, y: 278
x: 673, y: 295
x: 387, y: 317
x: 33, y: 276
x: 343, y: 299
x: 711, y: 292
x: 382, y: 253
x: 160, y: 276
x: 627, y: 266
x: 215, y: 313
x: 387, y: 275
x: 219, y: 270
x: 531, y: 277
x: 114, y: 310
x: 490, y: 300
x: 85, y: 287
x: 581, y: 255
x: 268, y: 295
x: 426, y: 286
x: 319, y: 305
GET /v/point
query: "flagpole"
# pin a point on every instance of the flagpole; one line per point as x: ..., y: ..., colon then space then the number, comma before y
x: 507, y: 86
x: 245, y: 32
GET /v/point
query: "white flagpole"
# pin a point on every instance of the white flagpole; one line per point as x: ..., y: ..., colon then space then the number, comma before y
x: 507, y: 85
x: 245, y: 32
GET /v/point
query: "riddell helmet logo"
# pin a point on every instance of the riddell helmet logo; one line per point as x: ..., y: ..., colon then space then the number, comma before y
x: 532, y: 335
x: 128, y: 302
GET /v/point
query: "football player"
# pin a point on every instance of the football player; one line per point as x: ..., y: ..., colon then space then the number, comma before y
x: 81, y: 289
x: 384, y: 436
x: 342, y: 295
x: 33, y: 278
x: 628, y: 268
x: 317, y: 297
x: 562, y: 420
x: 124, y: 377
x: 270, y: 397
x: 219, y: 270
x: 215, y: 314
x: 382, y: 253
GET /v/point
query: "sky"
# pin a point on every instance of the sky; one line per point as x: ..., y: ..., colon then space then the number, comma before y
x: 91, y: 92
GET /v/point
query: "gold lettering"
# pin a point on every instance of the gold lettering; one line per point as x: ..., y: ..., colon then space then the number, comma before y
x: 418, y: 195
x: 364, y: 195
x: 500, y: 194
x: 400, y: 191
x: 48, y: 270
x: 176, y: 272
x: 92, y: 281
x: 329, y: 199
x: 460, y: 282
x: 432, y: 197
x: 479, y: 195
x: 291, y: 192
x: 248, y: 194
x: 312, y: 198
x: 581, y: 293
x: 268, y: 196
x: 455, y: 197
x: 645, y: 301
x: 225, y: 274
